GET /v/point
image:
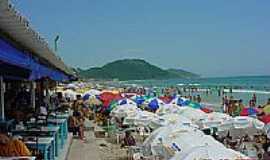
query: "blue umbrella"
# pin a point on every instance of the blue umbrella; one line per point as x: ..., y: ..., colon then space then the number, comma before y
x: 123, y: 101
x: 182, y: 102
x: 153, y: 105
x: 139, y: 100
x: 86, y: 97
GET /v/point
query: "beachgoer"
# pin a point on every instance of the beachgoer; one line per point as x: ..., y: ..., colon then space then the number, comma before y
x: 266, y: 154
x: 225, y: 104
x: 199, y: 99
x: 74, y: 124
x: 254, y: 98
x: 252, y: 104
x: 12, y: 147
x: 129, y: 140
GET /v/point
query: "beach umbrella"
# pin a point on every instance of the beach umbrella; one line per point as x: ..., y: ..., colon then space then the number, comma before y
x: 248, y: 111
x: 71, y: 86
x: 247, y: 122
x: 206, y: 151
x: 194, y: 105
x: 206, y: 109
x: 265, y: 119
x: 139, y: 100
x: 93, y: 101
x: 168, y: 108
x: 107, y: 97
x: 166, y: 99
x: 192, y: 113
x: 121, y: 111
x: 172, y: 119
x: 153, y: 105
x: 86, y: 97
x: 266, y: 109
x: 72, y: 95
x: 126, y: 101
x: 93, y: 92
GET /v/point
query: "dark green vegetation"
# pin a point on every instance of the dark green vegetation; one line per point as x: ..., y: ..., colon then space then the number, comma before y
x: 132, y: 69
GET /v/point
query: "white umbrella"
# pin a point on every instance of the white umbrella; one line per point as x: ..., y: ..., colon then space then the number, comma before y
x: 193, y: 114
x: 126, y: 110
x: 210, y: 152
x: 70, y: 94
x: 93, y: 92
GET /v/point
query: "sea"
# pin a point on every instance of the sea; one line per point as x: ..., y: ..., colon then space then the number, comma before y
x: 238, y: 87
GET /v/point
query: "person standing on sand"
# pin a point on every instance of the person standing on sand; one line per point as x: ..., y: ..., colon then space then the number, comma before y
x: 225, y: 103
x: 199, y: 99
x: 254, y: 98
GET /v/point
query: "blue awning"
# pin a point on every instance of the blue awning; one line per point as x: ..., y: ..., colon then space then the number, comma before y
x: 13, y: 56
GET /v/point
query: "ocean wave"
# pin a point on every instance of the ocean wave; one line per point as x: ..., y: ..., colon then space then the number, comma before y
x: 247, y: 91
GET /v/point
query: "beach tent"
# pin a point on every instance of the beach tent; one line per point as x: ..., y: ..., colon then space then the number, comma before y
x: 247, y: 111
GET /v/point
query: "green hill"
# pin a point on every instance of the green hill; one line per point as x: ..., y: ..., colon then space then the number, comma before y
x: 131, y: 69
x: 182, y: 73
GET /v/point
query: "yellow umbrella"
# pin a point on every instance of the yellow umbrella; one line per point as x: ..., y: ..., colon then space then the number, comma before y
x: 94, y: 101
x: 266, y: 109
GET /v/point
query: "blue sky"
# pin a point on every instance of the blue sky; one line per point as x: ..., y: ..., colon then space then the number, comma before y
x: 209, y: 37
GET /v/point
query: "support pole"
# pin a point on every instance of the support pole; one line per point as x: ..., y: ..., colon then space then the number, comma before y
x: 2, y: 100
x: 33, y: 94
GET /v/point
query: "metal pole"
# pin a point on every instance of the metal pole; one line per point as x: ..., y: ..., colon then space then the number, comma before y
x: 2, y: 101
x: 33, y: 95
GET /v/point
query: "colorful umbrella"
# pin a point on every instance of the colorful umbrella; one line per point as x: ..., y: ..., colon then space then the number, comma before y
x: 265, y: 119
x: 266, y: 109
x: 248, y: 111
x: 153, y: 105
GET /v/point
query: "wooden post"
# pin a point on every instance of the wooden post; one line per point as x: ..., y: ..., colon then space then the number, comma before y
x: 2, y: 100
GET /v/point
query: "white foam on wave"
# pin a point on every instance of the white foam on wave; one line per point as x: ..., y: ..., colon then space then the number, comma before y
x: 247, y: 91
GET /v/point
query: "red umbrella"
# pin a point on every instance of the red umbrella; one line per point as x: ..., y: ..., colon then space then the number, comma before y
x: 265, y: 119
x: 108, y: 97
x: 248, y: 111
x: 166, y: 99
x: 207, y: 110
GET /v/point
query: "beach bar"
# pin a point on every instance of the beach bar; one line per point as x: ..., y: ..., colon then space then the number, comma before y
x: 29, y: 69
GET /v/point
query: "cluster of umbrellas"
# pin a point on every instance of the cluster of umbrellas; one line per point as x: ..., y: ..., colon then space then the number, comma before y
x: 176, y: 122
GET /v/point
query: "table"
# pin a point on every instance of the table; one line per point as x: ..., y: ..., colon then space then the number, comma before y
x: 60, y: 116
x: 18, y: 157
x: 62, y: 123
x: 45, y: 145
x: 43, y: 131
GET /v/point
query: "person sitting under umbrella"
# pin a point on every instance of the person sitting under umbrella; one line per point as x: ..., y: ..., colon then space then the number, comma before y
x: 10, y: 147
x: 129, y: 140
